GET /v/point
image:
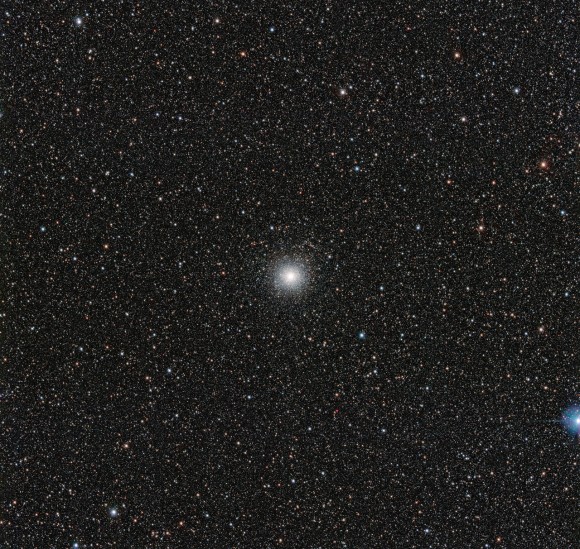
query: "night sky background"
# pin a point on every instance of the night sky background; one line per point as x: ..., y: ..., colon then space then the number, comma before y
x: 161, y: 385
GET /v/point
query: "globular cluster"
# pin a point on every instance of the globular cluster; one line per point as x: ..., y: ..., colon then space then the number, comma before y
x: 292, y: 275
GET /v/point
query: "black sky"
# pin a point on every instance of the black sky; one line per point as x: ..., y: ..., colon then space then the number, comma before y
x: 160, y: 166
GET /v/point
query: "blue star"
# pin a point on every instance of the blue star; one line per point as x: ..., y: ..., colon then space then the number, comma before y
x: 571, y: 420
x: 362, y: 335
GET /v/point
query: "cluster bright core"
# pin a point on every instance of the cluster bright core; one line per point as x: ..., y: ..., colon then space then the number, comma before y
x: 290, y: 277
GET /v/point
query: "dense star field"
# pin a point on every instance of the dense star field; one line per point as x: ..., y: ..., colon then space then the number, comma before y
x: 296, y: 276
